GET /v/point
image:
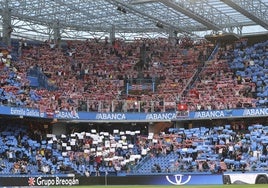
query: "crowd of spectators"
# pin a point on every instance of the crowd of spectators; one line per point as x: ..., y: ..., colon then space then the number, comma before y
x: 218, y: 87
x: 93, y: 75
x: 250, y: 64
x: 213, y: 150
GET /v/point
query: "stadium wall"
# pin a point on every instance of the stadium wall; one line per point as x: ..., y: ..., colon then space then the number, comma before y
x: 163, y: 179
x: 160, y: 179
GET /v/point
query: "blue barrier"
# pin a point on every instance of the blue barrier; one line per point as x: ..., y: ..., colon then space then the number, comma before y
x: 135, y: 116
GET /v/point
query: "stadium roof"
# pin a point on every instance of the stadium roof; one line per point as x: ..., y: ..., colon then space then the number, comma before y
x: 134, y: 18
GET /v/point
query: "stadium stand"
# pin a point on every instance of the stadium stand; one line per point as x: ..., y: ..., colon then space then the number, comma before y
x: 128, y: 92
x: 209, y: 150
x: 82, y: 82
x: 234, y: 78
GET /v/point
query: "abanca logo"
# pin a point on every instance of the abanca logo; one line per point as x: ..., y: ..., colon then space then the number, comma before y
x: 178, y: 179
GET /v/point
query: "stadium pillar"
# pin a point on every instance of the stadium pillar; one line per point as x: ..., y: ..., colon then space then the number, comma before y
x: 151, y: 127
x: 172, y: 36
x: 59, y: 129
x: 56, y: 33
x: 182, y: 124
x: 7, y: 27
x: 190, y: 125
x: 112, y: 34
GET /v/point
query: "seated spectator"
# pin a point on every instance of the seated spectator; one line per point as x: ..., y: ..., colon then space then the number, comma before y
x: 156, y: 168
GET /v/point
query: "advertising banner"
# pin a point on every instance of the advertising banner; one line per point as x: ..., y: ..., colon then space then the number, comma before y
x: 135, y: 116
x: 64, y: 181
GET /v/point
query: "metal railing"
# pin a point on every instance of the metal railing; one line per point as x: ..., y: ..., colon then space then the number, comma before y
x: 125, y: 106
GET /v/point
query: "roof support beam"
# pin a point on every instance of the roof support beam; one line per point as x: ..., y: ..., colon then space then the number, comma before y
x: 255, y: 10
x: 135, y: 2
x: 149, y: 17
x: 189, y: 10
